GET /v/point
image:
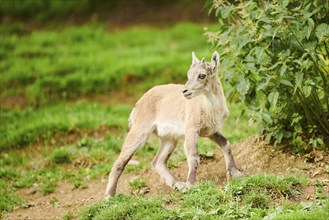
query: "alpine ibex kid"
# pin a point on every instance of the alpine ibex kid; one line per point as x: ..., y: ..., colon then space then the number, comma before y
x: 189, y: 111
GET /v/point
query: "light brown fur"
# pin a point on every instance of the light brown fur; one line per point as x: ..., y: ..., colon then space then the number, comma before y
x: 165, y: 111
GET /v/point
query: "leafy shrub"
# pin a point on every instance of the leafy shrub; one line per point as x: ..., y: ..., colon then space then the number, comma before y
x: 275, y: 54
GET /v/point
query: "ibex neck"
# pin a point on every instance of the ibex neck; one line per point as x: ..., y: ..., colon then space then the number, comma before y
x: 216, y: 89
x: 215, y: 100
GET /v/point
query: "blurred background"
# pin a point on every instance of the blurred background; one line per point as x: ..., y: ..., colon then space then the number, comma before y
x: 61, y: 49
x: 114, y: 12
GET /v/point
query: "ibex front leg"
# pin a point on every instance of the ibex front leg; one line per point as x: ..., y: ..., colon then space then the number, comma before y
x: 231, y: 167
x: 191, y: 151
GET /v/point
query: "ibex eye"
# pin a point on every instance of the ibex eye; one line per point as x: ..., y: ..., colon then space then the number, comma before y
x: 202, y: 76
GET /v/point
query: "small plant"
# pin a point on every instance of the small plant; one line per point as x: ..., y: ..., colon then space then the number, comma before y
x: 249, y: 188
x: 257, y: 200
x: 203, y: 196
x: 8, y: 198
x: 61, y: 155
x: 68, y: 215
x: 137, y: 184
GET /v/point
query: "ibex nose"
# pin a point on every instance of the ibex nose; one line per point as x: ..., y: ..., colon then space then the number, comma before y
x: 184, y: 90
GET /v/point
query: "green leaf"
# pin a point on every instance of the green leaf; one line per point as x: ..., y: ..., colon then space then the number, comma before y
x: 210, y: 154
x: 286, y: 82
x: 226, y: 11
x: 284, y: 3
x: 310, y: 27
x: 307, y: 91
x: 273, y: 98
x: 322, y: 31
x: 283, y: 69
x: 266, y: 117
x: 251, y: 67
x: 243, y: 86
x: 299, y: 78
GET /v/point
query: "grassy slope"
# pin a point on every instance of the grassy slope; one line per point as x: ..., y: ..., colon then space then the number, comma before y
x: 66, y: 63
x: 20, y: 128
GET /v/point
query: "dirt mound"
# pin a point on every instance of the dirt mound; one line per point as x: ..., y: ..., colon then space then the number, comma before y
x: 251, y: 156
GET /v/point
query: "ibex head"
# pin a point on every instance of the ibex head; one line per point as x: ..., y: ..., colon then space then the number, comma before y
x: 200, y: 76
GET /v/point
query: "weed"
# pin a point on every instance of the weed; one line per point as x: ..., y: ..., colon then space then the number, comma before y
x: 203, y: 197
x: 257, y: 200
x: 327, y: 169
x: 270, y: 183
x: 126, y: 207
x: 68, y: 215
x: 304, y: 211
x: 137, y: 184
x: 61, y: 155
x: 8, y: 198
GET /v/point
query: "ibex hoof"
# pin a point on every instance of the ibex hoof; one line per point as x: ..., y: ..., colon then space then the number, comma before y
x: 182, y: 186
x: 108, y: 195
x: 234, y: 173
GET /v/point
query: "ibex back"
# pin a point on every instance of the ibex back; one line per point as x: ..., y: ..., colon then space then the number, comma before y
x: 188, y: 111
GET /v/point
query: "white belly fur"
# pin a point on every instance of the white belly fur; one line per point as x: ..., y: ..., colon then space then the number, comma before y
x: 174, y: 130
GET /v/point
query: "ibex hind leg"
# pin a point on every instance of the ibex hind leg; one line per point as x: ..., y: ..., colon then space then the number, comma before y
x: 134, y: 140
x: 160, y: 164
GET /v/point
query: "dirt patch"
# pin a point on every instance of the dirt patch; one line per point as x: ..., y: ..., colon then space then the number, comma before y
x: 251, y: 156
x: 55, y: 205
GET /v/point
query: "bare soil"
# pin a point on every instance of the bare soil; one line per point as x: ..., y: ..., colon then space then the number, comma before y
x: 252, y: 156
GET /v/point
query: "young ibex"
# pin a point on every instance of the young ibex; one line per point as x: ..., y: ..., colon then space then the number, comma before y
x: 188, y: 111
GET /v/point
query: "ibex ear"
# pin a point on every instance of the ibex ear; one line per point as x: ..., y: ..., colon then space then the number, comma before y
x: 195, y: 60
x: 214, y: 62
x: 203, y: 63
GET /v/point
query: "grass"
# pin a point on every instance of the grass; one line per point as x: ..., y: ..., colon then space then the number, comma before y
x: 205, y: 201
x: 20, y: 128
x: 82, y: 160
x: 65, y: 63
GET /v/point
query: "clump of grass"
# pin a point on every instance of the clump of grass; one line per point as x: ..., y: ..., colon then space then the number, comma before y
x: 303, y: 211
x: 257, y: 200
x: 8, y: 198
x: 203, y: 197
x: 126, y: 207
x: 49, y: 179
x: 267, y: 183
x: 68, y: 215
x: 137, y: 184
x: 61, y: 155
